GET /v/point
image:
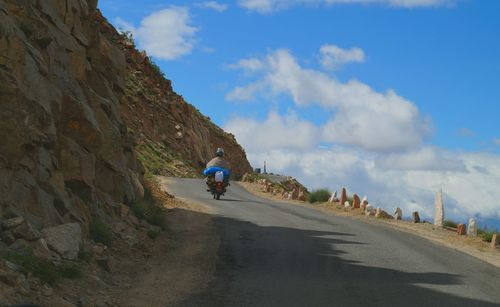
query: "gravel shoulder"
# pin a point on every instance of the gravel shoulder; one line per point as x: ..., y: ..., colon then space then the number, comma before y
x: 442, y: 236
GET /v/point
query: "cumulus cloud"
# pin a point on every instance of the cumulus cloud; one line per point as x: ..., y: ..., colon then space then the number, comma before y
x: 166, y: 34
x: 214, y: 5
x: 333, y: 56
x: 360, y: 116
x: 268, y: 6
x: 275, y: 132
x: 469, y: 190
x: 248, y: 65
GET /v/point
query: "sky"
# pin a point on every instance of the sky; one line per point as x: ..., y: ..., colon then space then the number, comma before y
x: 393, y: 99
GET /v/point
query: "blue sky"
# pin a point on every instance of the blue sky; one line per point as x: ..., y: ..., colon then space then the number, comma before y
x: 392, y: 94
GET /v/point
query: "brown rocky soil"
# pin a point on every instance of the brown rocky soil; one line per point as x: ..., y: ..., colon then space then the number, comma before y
x: 473, y: 246
x: 135, y: 270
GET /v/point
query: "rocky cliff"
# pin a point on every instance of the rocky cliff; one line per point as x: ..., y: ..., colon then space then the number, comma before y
x: 174, y: 138
x: 78, y: 106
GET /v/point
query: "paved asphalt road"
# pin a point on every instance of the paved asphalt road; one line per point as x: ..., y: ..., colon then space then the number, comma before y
x: 275, y: 254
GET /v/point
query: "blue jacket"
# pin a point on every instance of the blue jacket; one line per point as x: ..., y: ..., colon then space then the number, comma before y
x: 214, y: 169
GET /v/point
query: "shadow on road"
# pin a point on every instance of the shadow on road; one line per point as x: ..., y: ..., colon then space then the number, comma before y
x: 278, y: 266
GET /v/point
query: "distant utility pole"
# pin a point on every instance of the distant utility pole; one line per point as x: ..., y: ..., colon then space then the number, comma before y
x: 265, y: 171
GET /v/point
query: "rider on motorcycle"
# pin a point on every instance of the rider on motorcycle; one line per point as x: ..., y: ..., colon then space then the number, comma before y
x: 215, y: 165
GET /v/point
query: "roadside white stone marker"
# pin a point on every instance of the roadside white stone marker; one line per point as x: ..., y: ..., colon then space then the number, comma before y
x: 439, y: 209
x: 472, y: 228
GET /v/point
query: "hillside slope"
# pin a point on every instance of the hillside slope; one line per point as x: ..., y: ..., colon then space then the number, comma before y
x: 174, y: 137
x: 80, y: 109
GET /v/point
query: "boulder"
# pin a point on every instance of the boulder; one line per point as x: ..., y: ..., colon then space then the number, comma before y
x: 472, y: 228
x: 26, y: 231
x: 439, y: 209
x: 381, y: 214
x: 356, y: 202
x: 343, y: 196
x: 415, y: 217
x: 398, y: 215
x: 38, y: 247
x: 64, y: 239
x: 347, y: 204
x: 461, y: 229
x: 13, y: 222
x: 7, y: 237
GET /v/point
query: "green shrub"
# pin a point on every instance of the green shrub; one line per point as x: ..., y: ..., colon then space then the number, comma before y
x: 448, y: 223
x: 45, y: 270
x: 153, y: 234
x: 70, y: 270
x: 139, y: 209
x: 485, y: 234
x: 101, y: 232
x: 84, y: 255
x: 320, y: 195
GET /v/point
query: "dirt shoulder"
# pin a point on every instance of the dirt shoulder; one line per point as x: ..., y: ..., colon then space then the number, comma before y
x: 442, y: 236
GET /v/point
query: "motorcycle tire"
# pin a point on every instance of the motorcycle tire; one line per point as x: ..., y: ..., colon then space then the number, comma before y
x: 218, y: 197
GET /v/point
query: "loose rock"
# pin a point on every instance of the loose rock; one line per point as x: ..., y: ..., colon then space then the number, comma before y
x: 13, y: 222
x: 347, y: 204
x: 27, y: 232
x: 64, y: 239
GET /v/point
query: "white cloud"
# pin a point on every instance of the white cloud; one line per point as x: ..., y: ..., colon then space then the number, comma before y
x: 214, y: 5
x: 248, y: 65
x: 423, y: 159
x: 275, y: 132
x: 268, y: 6
x: 333, y: 56
x: 469, y: 190
x: 166, y: 34
x: 360, y: 115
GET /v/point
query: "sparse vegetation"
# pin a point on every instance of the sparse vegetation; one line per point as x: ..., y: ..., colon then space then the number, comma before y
x: 45, y: 270
x: 449, y: 223
x: 153, y: 234
x: 85, y: 255
x: 485, y: 234
x: 101, y: 232
x: 149, y: 209
x: 155, y: 67
x: 320, y: 195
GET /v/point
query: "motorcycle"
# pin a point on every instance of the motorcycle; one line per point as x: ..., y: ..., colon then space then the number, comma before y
x: 217, y: 185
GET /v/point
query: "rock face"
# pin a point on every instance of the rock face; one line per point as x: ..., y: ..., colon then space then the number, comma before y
x: 65, y: 152
x: 415, y: 217
x: 398, y: 215
x: 64, y: 239
x: 165, y: 125
x: 472, y: 228
x: 356, y: 202
x: 439, y: 209
x: 77, y: 105
x: 461, y: 229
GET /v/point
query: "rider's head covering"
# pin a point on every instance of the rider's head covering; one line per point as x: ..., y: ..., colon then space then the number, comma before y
x: 219, y: 152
